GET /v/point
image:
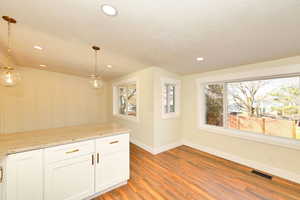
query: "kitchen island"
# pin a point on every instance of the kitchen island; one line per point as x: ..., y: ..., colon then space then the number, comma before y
x: 73, y: 163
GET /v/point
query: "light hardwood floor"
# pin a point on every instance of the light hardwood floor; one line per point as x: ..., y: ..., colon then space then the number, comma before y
x: 188, y: 174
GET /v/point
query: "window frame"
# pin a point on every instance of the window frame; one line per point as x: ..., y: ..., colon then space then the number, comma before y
x: 177, y: 85
x: 256, y: 74
x: 115, y: 88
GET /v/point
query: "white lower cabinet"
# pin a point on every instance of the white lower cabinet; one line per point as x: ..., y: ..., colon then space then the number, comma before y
x: 112, y: 161
x: 111, y: 170
x: 71, y: 179
x: 24, y: 176
x: 74, y: 171
x: 1, y: 179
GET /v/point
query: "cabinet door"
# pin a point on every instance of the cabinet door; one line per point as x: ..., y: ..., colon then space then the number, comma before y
x: 24, y: 176
x: 111, y: 170
x: 71, y: 179
x: 1, y: 180
x: 112, y: 166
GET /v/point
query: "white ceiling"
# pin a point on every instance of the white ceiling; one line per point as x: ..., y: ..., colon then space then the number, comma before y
x: 167, y: 33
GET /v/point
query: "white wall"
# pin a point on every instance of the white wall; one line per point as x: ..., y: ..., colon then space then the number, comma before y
x: 281, y: 159
x: 142, y: 130
x: 47, y: 100
x: 151, y: 131
x: 166, y: 131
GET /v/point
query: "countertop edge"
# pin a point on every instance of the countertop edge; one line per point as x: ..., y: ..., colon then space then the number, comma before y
x: 4, y: 154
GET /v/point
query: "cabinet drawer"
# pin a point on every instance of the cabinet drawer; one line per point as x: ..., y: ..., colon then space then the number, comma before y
x: 112, y: 144
x: 64, y: 152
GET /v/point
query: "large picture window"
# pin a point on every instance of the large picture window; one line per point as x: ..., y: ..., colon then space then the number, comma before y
x: 269, y: 106
x: 125, y: 99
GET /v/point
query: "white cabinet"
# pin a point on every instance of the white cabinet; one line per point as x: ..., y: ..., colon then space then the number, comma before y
x: 73, y: 171
x: 24, y: 176
x: 112, y: 161
x: 71, y: 179
x: 1, y: 179
x: 70, y: 171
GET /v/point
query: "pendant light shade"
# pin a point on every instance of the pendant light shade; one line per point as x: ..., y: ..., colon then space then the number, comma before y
x: 95, y: 79
x: 9, y: 76
x: 95, y: 82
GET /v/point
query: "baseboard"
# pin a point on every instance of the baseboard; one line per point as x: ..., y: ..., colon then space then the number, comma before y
x: 155, y: 150
x: 107, y: 190
x: 142, y: 145
x: 166, y: 147
x: 249, y: 163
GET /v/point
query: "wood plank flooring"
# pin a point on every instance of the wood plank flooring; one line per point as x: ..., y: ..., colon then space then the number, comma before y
x: 188, y: 174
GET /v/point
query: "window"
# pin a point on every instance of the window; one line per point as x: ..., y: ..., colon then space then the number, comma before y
x: 125, y: 99
x: 170, y: 97
x: 269, y: 106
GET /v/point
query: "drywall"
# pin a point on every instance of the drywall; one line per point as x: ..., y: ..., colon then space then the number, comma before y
x: 277, y: 157
x: 166, y: 131
x: 47, y: 100
x: 142, y: 130
x: 151, y: 131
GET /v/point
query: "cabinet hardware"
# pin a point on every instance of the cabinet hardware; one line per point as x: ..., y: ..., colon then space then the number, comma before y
x: 93, y: 159
x: 1, y: 174
x: 73, y: 151
x: 114, y: 142
x: 98, y: 159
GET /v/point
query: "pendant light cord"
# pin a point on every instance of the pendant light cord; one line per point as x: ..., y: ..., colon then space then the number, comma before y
x: 96, y: 63
x: 8, y: 39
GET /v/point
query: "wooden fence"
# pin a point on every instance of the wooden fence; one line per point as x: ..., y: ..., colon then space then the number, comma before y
x: 264, y: 125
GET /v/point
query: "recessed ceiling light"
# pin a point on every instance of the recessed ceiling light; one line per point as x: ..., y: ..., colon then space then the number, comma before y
x: 109, y: 66
x: 109, y: 10
x: 38, y: 47
x: 43, y: 65
x: 200, y: 59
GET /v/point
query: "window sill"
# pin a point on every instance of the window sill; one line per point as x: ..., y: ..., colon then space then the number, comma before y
x: 125, y: 117
x: 170, y: 116
x: 273, y: 140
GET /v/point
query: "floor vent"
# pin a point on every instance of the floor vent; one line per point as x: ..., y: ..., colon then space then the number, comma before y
x: 262, y: 174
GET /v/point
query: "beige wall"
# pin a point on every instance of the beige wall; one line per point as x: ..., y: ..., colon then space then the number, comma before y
x: 166, y: 131
x: 271, y: 155
x: 142, y: 130
x: 46, y: 100
x: 151, y: 130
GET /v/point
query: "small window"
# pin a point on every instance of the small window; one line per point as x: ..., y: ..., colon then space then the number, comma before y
x: 170, y: 98
x: 125, y: 99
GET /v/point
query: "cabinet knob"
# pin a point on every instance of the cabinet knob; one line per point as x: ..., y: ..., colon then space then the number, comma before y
x: 114, y: 142
x: 93, y: 159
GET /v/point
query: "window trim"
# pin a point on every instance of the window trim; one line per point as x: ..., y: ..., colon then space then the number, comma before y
x: 256, y: 74
x: 177, y: 83
x: 115, y: 86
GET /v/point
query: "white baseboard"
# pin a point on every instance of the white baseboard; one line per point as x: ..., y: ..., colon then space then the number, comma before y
x: 107, y: 190
x: 252, y: 164
x: 142, y: 145
x: 167, y: 147
x: 155, y: 150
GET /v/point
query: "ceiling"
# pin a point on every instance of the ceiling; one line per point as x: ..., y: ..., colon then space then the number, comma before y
x: 168, y: 34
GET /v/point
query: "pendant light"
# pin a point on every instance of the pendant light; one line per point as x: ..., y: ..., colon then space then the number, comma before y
x: 9, y: 76
x: 96, y: 81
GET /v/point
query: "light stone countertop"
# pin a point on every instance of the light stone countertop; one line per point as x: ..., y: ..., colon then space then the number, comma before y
x: 32, y: 140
